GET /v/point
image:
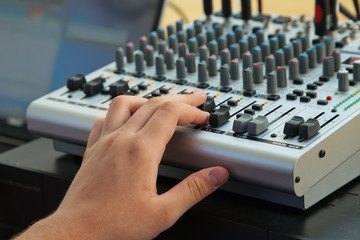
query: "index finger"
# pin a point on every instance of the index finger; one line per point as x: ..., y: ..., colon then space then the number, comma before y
x: 141, y: 117
x: 161, y: 126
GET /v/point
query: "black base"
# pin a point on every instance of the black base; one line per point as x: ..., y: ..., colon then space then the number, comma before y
x: 34, y: 179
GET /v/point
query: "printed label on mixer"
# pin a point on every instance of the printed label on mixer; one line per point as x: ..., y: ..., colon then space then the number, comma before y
x: 252, y: 138
x: 207, y: 129
x: 281, y: 144
x: 248, y: 137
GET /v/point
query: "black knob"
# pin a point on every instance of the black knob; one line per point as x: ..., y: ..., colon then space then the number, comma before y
x: 219, y: 117
x: 75, y: 82
x: 208, y: 8
x: 118, y: 88
x: 246, y: 9
x: 226, y: 8
x: 208, y: 105
x: 93, y: 87
x: 334, y: 17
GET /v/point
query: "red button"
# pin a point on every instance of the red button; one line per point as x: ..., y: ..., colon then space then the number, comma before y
x: 329, y: 98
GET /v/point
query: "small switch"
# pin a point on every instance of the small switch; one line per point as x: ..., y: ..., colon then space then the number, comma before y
x: 339, y: 44
x: 203, y: 85
x: 298, y: 81
x: 305, y: 99
x: 318, y: 83
x: 135, y: 90
x: 273, y: 97
x: 181, y: 82
x: 232, y: 103
x: 311, y: 94
x: 257, y: 107
x: 156, y: 94
x: 249, y: 111
x: 324, y: 79
x: 164, y: 90
x: 298, y: 92
x: 322, y: 102
x: 311, y: 86
x: 142, y: 86
x: 291, y: 96
x: 129, y: 93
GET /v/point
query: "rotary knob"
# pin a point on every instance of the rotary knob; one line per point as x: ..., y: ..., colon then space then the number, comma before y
x: 180, y: 68
x: 224, y: 75
x: 281, y: 76
x: 234, y: 69
x: 247, y: 60
x: 258, y: 73
x: 129, y: 52
x: 328, y: 67
x: 356, y: 70
x: 343, y: 78
x: 202, y: 72
x: 212, y: 66
x: 271, y: 82
x: 119, y: 59
x: 269, y: 64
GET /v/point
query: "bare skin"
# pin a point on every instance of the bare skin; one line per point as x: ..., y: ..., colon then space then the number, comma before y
x: 114, y: 196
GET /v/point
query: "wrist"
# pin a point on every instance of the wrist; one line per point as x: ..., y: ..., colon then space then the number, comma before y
x: 60, y: 226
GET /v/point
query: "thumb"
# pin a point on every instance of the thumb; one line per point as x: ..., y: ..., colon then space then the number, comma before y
x: 192, y: 190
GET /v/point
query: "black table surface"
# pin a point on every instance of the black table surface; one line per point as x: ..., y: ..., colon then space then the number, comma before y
x: 222, y: 215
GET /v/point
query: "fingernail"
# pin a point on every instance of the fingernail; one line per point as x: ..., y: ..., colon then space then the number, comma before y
x: 206, y: 114
x: 200, y: 93
x: 218, y: 176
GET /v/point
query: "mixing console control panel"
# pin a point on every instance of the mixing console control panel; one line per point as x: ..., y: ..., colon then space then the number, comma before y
x: 283, y: 102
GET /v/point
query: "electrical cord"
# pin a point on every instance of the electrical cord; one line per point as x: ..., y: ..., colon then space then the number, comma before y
x: 260, y: 6
x: 179, y: 11
x: 357, y: 9
x: 346, y: 12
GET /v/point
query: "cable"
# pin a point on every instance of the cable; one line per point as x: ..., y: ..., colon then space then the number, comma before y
x: 344, y: 11
x: 356, y: 5
x: 179, y: 11
x: 260, y: 6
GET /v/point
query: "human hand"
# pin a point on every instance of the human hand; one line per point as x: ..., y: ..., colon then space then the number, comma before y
x: 114, y: 196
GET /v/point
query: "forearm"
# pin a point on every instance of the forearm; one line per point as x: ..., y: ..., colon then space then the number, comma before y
x: 56, y: 227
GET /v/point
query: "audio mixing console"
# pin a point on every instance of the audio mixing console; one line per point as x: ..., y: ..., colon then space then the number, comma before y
x: 283, y: 101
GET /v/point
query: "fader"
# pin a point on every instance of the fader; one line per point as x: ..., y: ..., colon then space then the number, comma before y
x: 283, y: 102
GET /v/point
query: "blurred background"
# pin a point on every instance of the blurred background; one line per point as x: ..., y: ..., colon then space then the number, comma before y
x: 192, y: 9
